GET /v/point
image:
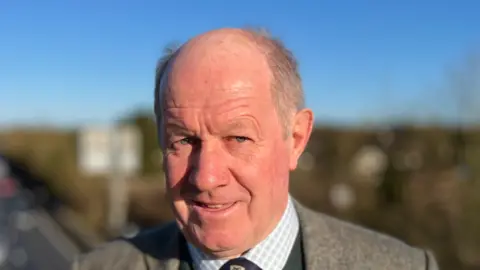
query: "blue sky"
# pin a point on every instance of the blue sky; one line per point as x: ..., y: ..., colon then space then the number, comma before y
x: 74, y: 62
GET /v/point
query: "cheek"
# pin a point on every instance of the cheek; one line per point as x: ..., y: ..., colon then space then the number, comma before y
x: 264, y: 173
x: 282, y: 161
x: 277, y: 171
x: 175, y: 170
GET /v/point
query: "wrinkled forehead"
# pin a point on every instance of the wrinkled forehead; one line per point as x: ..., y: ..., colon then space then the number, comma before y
x: 210, y: 70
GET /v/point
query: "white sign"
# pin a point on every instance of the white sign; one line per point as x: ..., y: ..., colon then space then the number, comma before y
x: 126, y: 150
x: 107, y: 150
x: 94, y: 150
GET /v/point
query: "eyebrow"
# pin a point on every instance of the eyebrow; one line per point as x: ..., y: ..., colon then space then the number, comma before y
x: 177, y: 129
x: 241, y: 125
x: 237, y: 125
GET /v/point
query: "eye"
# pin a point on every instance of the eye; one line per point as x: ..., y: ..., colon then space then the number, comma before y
x: 185, y: 141
x: 240, y: 139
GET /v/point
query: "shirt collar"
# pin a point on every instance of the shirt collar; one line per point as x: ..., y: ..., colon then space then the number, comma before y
x: 270, y: 254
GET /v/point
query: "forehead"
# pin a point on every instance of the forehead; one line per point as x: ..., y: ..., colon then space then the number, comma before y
x: 207, y: 72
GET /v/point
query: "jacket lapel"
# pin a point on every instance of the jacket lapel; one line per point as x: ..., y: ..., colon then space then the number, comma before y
x: 160, y: 247
x: 321, y: 249
x: 172, y: 258
x: 175, y: 256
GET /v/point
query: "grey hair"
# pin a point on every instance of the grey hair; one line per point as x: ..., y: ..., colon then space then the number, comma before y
x: 287, y: 89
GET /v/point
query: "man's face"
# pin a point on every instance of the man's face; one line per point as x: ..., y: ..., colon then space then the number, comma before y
x: 226, y: 160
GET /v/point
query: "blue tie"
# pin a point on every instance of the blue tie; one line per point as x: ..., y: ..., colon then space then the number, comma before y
x: 240, y: 264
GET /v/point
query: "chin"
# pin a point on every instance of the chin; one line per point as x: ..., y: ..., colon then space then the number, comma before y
x: 218, y: 242
x: 218, y: 233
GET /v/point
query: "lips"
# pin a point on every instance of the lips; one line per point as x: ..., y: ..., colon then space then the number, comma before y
x: 212, y: 206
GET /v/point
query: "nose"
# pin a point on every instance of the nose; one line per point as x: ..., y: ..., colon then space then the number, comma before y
x: 208, y: 169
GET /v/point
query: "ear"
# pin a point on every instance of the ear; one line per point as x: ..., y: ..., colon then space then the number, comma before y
x: 300, y: 134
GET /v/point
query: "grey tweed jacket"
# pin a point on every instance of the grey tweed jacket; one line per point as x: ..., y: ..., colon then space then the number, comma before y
x: 328, y: 244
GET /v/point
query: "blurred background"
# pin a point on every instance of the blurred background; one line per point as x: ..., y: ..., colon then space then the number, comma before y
x: 395, y: 86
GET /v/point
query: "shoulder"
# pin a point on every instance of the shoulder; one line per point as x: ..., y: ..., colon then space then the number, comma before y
x: 359, y: 247
x: 373, y: 249
x: 118, y: 254
x: 130, y: 253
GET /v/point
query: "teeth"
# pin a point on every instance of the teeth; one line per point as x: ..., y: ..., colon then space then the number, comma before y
x: 211, y: 206
x: 214, y: 206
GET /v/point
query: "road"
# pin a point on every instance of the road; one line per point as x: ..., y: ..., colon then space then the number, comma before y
x: 30, y: 239
x: 39, y: 243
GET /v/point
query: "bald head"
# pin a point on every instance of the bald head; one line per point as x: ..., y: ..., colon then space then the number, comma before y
x: 236, y: 50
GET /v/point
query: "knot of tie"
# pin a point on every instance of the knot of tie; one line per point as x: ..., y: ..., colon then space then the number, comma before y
x: 240, y: 264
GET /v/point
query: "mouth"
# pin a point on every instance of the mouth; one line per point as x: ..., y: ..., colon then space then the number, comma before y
x: 212, y: 207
